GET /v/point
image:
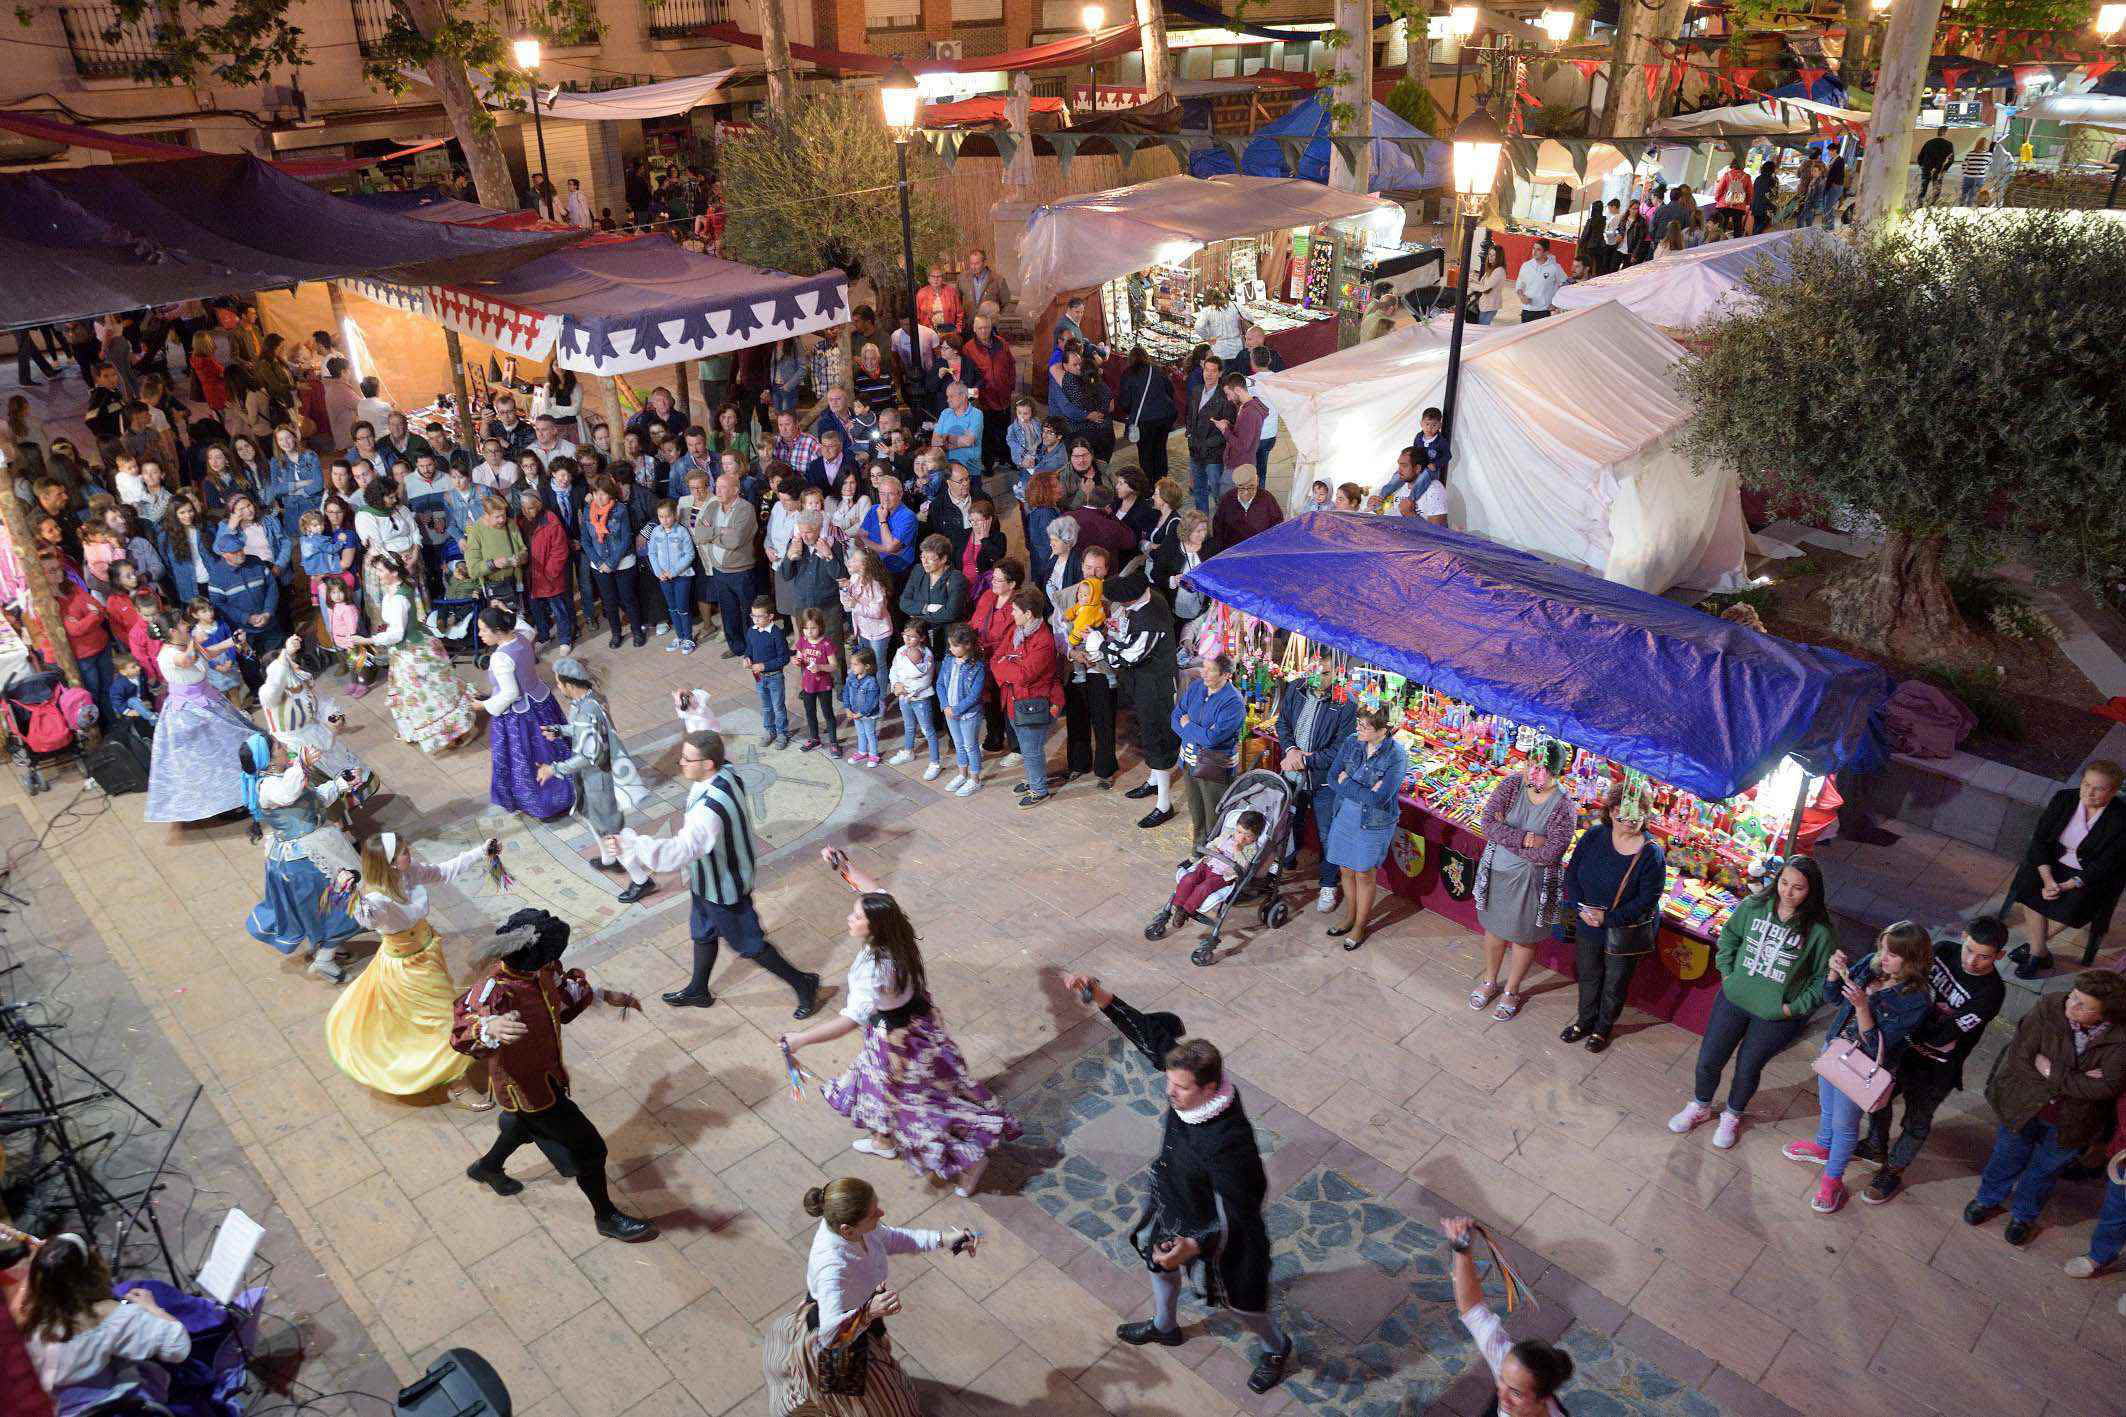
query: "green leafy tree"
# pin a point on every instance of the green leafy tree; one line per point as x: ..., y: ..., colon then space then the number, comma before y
x: 1412, y: 102
x: 815, y: 188
x: 1963, y: 382
x: 244, y: 42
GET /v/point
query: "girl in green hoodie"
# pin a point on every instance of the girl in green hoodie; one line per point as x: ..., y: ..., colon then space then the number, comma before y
x: 1773, y: 955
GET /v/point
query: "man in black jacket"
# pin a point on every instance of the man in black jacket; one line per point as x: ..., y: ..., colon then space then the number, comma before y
x: 1935, y: 155
x: 1204, y: 1208
x: 1206, y: 440
x: 1311, y: 728
x: 1966, y: 991
x: 1138, y: 646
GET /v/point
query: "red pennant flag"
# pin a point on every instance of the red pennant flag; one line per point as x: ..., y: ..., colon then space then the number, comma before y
x: 2099, y: 69
x: 1587, y: 67
x: 1808, y: 82
x: 1742, y: 79
x: 1675, y: 75
x: 1950, y: 76
x: 1653, y: 79
x: 1949, y: 38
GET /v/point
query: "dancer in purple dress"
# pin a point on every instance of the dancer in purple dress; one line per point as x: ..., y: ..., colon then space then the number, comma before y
x: 909, y: 1088
x: 522, y: 703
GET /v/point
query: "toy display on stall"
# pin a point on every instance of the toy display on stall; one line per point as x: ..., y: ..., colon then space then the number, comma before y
x: 1717, y: 851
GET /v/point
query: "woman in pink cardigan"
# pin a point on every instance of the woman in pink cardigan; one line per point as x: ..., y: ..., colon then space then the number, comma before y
x: 1528, y: 824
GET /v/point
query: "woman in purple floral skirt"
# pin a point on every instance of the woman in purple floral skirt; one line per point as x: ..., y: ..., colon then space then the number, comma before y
x: 909, y: 1088
x: 525, y: 725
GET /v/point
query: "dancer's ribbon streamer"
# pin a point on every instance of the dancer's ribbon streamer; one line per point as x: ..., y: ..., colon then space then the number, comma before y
x: 498, y: 875
x: 1517, y: 1290
x: 796, y: 1071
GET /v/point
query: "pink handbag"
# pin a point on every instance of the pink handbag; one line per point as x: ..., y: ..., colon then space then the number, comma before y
x: 1863, y: 1079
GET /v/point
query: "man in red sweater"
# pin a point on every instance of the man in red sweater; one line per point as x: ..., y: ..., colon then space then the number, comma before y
x: 989, y: 360
x: 1243, y: 431
x: 546, y: 581
x: 1244, y: 511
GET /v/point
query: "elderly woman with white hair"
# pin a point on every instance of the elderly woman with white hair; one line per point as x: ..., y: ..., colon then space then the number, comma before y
x: 1064, y: 559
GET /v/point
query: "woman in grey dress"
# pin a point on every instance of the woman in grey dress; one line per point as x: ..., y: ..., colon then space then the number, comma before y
x: 608, y: 784
x: 1528, y: 824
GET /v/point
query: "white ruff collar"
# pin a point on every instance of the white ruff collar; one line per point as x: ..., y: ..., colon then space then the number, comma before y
x: 1196, y: 1116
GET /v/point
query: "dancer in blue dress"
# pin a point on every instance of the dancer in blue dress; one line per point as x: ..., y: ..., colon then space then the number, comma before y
x: 521, y: 705
x: 310, y: 864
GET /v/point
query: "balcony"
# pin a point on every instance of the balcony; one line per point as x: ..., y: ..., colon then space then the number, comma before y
x: 372, y: 22
x: 107, y: 46
x: 685, y: 19
x: 563, y: 24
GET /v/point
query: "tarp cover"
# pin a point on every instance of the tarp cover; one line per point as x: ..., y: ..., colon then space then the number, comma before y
x: 1790, y: 117
x: 1680, y: 695
x: 1084, y: 241
x: 2093, y: 110
x: 79, y: 242
x: 1683, y: 289
x: 1394, y: 170
x: 1564, y: 442
x: 618, y: 307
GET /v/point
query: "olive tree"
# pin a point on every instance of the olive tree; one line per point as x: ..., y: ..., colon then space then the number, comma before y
x: 1959, y: 378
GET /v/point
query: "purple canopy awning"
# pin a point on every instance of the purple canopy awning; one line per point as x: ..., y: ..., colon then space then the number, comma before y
x: 81, y: 242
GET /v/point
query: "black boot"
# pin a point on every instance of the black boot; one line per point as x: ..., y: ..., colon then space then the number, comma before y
x: 616, y: 1225
x: 498, y: 1182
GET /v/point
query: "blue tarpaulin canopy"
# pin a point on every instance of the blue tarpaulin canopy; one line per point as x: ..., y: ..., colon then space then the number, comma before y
x: 1682, y: 696
x: 1394, y: 170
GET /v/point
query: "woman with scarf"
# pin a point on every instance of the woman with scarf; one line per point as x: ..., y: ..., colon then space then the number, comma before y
x: 391, y: 1029
x: 430, y: 707
x: 311, y: 866
x: 192, y: 769
x: 384, y: 524
x: 522, y: 719
x: 1528, y: 824
x: 909, y: 1088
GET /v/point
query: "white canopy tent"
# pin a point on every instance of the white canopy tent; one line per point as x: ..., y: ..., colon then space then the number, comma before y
x: 1683, y: 289
x: 1765, y: 118
x: 2089, y: 110
x: 1086, y: 241
x: 1565, y: 442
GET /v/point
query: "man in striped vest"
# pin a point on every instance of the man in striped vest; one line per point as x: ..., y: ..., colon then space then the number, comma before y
x: 714, y: 846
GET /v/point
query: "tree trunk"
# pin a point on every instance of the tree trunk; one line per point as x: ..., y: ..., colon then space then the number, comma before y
x: 1626, y: 109
x: 43, y: 606
x: 1903, y: 604
x: 1417, y: 42
x: 775, y: 31
x: 1158, y: 59
x: 1859, y: 15
x: 1885, y: 176
x: 470, y: 122
x: 1351, y: 71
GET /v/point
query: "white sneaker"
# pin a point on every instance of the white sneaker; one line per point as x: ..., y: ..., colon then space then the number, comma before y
x: 970, y: 1179
x: 672, y: 648
x: 1325, y: 899
x: 664, y: 629
x: 968, y: 788
x: 2080, y: 1267
x: 1012, y: 760
x: 1729, y: 1130
x: 957, y: 779
x: 327, y: 968
x: 1689, y: 1117
x: 871, y: 1148
x: 930, y: 774
x: 901, y: 757
x: 564, y: 648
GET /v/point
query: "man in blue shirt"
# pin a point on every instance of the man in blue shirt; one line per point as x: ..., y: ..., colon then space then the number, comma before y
x: 959, y: 430
x: 1208, y: 719
x: 696, y: 458
x: 889, y: 529
x: 244, y: 593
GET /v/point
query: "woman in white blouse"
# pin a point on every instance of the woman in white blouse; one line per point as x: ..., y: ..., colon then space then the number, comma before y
x: 390, y: 1030
x: 192, y: 770
x: 1218, y: 325
x: 75, y: 1333
x: 831, y: 1357
x: 384, y: 523
x: 909, y: 1088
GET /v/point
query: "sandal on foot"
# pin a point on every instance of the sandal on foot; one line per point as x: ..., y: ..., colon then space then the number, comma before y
x: 1509, y: 1005
x: 1481, y: 996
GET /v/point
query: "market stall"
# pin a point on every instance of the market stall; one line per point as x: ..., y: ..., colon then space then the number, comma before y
x: 1683, y: 289
x: 1481, y: 653
x: 1288, y: 251
x: 1565, y: 442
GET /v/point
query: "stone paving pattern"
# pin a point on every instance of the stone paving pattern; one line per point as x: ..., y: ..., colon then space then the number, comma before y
x: 1687, y: 1280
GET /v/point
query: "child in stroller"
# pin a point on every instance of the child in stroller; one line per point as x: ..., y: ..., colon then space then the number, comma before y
x: 1242, y: 861
x: 454, y: 617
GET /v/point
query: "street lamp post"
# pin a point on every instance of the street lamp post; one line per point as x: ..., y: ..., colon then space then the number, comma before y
x: 901, y: 101
x: 1092, y: 17
x: 1478, y: 141
x: 1461, y: 21
x: 526, y: 53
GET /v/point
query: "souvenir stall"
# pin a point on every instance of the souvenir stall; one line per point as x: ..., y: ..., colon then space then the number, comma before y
x: 1289, y: 252
x: 1481, y: 653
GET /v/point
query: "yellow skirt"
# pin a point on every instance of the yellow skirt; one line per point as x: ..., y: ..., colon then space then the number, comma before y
x: 390, y: 1029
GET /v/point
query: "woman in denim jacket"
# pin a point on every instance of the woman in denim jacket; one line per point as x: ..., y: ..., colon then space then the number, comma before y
x: 1367, y: 778
x: 1885, y: 997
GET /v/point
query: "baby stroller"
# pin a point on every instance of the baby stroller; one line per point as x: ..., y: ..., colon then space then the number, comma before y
x: 49, y: 717
x: 454, y: 616
x: 1259, y: 791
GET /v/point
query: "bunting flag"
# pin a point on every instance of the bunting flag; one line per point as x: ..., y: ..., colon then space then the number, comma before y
x: 1742, y: 78
x: 1808, y: 82
x: 2099, y: 69
x: 1950, y: 76
x: 1675, y: 74
x: 1008, y: 147
x: 1587, y: 68
x: 1950, y: 37
x: 1653, y: 79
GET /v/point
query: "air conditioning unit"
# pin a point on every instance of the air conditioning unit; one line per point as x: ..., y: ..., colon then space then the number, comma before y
x: 947, y: 49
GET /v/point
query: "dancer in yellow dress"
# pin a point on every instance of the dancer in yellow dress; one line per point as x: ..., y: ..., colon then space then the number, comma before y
x: 390, y: 1029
